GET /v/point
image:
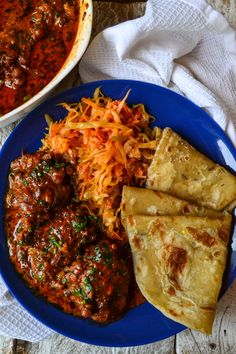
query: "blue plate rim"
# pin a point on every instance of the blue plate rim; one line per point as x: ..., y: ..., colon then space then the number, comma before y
x: 29, y: 117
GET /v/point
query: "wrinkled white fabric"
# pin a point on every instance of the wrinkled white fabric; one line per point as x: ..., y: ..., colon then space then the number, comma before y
x: 180, y: 44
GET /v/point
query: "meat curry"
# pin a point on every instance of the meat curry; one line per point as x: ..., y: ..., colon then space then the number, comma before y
x: 35, y: 40
x: 59, y: 247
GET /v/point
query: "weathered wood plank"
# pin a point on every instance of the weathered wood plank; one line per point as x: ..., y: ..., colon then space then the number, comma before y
x: 7, y: 345
x: 115, y: 13
x: 226, y: 8
x: 223, y: 338
x: 62, y: 345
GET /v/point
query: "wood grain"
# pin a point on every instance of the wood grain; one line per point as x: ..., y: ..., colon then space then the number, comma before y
x: 63, y: 345
x: 222, y: 340
x: 7, y: 345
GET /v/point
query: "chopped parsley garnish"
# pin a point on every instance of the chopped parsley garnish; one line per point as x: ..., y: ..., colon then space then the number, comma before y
x: 82, y: 293
x: 88, y: 285
x: 64, y: 281
x: 46, y: 168
x: 79, y: 225
x: 98, y: 254
x: 41, y: 266
x: 19, y: 229
x: 24, y: 182
x: 20, y: 243
x: 54, y: 242
x: 60, y: 165
x: 107, y: 255
x: 41, y: 202
x: 26, y: 98
x: 101, y: 255
x: 40, y: 276
x: 31, y: 229
x: 92, y: 270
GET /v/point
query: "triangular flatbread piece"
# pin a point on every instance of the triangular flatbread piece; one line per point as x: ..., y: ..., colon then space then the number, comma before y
x: 179, y: 263
x: 142, y: 201
x: 179, y: 169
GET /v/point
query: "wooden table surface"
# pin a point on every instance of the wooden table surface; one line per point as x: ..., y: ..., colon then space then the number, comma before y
x: 223, y: 339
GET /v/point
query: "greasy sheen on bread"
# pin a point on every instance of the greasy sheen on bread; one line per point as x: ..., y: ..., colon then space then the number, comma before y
x: 179, y: 169
x: 179, y: 263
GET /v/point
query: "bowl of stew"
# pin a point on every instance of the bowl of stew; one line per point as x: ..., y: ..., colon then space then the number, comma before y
x: 40, y: 43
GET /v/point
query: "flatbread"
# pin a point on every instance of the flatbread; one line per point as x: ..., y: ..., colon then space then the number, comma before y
x: 179, y: 169
x: 179, y: 263
x: 143, y: 201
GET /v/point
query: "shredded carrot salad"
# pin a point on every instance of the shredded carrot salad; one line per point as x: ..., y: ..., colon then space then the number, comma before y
x: 111, y: 144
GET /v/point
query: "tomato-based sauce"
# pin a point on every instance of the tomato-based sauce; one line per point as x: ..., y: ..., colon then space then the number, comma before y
x: 60, y: 248
x: 35, y: 40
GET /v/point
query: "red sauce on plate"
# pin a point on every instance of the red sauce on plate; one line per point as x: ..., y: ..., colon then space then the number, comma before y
x: 35, y: 40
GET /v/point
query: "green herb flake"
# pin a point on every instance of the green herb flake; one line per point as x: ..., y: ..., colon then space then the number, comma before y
x: 20, y: 243
x: 55, y: 243
x: 31, y: 229
x: 26, y: 98
x: 88, y: 285
x: 41, y: 202
x: 19, y: 229
x: 92, y: 270
x: 40, y: 266
x: 46, y: 168
x: 107, y: 255
x: 60, y: 165
x: 24, y: 182
x: 98, y: 254
x: 64, y: 281
x: 79, y: 225
x: 40, y: 276
x: 81, y: 293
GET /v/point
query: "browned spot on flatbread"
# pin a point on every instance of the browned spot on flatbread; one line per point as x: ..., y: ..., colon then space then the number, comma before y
x: 202, y: 236
x: 216, y: 254
x: 171, y: 291
x: 207, y: 308
x: 186, y: 209
x: 176, y: 262
x: 223, y: 234
x: 173, y: 313
x: 136, y: 241
x: 160, y: 195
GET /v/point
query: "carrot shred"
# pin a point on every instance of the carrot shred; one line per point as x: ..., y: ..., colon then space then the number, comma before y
x: 111, y: 145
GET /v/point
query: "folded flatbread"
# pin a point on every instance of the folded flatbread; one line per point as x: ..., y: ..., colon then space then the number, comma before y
x: 142, y: 201
x: 179, y: 169
x: 179, y: 263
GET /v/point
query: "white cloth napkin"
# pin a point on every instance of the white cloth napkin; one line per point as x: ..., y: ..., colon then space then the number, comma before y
x: 180, y: 44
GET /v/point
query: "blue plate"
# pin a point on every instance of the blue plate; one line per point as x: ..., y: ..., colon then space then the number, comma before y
x: 143, y: 324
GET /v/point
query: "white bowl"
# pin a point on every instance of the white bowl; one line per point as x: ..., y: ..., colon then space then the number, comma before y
x: 81, y: 42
